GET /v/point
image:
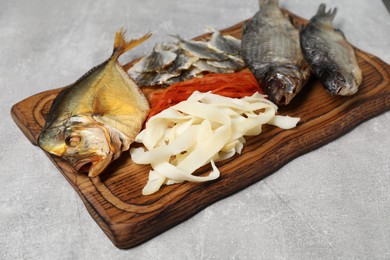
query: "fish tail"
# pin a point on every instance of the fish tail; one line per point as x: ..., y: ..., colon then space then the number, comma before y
x: 268, y: 2
x: 121, y: 45
x: 262, y: 3
x: 322, y: 13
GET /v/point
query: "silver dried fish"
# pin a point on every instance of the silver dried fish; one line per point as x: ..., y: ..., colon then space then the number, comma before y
x: 331, y: 57
x: 226, y: 44
x: 157, y: 60
x: 182, y: 62
x: 231, y: 64
x: 203, y: 65
x: 201, y: 50
x: 185, y: 75
x: 271, y: 50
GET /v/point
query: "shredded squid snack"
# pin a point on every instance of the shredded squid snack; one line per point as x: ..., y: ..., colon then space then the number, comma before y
x: 206, y: 128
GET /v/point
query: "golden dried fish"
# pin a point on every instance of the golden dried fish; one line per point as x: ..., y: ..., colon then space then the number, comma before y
x: 271, y: 50
x: 95, y: 119
x: 331, y: 57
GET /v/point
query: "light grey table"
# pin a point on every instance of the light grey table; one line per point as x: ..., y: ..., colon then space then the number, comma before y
x: 331, y: 203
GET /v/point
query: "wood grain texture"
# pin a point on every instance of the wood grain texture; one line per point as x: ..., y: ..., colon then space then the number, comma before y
x: 114, y: 199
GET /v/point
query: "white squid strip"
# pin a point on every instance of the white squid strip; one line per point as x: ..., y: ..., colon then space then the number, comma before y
x: 205, y: 128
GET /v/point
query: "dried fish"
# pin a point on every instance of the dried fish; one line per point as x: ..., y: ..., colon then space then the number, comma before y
x: 201, y: 50
x: 226, y: 44
x: 91, y: 122
x: 182, y: 62
x: 331, y: 57
x: 231, y: 64
x: 145, y: 78
x: 203, y: 65
x: 271, y: 50
x: 157, y: 60
x: 185, y: 74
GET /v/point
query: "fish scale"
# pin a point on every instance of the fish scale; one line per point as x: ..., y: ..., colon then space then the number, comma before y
x: 278, y: 49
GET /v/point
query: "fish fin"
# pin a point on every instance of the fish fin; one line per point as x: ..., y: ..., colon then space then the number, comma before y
x: 121, y: 45
x: 293, y: 21
x: 130, y: 64
x: 113, y: 98
x: 332, y: 13
x: 112, y: 101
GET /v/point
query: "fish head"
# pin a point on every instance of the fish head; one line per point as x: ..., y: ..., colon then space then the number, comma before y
x: 339, y: 83
x: 282, y: 83
x: 85, y: 144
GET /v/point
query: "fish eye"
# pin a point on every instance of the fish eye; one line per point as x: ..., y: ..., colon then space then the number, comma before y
x: 73, y: 140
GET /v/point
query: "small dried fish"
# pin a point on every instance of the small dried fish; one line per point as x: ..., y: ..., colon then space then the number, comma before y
x: 226, y: 44
x: 157, y: 60
x: 201, y: 50
x: 231, y: 64
x: 331, y: 57
x: 182, y: 62
x: 271, y: 50
x: 203, y: 65
x: 145, y: 78
x: 185, y: 74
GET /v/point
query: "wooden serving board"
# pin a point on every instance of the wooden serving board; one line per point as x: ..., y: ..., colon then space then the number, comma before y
x: 114, y: 199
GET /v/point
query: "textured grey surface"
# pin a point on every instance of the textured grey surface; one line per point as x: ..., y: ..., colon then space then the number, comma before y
x: 332, y: 203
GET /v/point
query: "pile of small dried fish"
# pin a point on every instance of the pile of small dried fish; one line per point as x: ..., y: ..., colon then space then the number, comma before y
x: 174, y: 62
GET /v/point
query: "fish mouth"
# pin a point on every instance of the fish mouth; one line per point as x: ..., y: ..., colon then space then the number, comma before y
x: 94, y: 165
x: 282, y: 84
x: 83, y: 164
x: 347, y: 89
x: 280, y: 91
x: 338, y: 82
